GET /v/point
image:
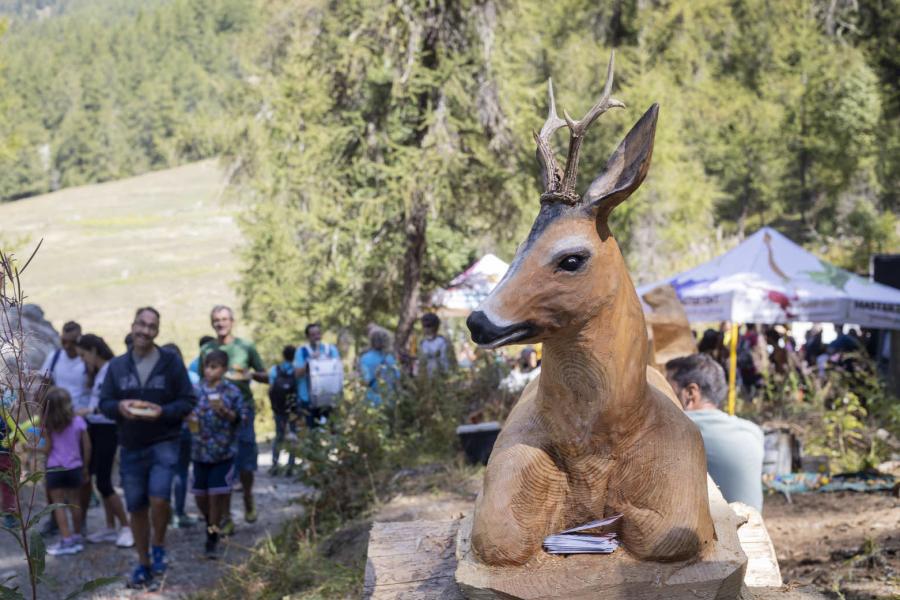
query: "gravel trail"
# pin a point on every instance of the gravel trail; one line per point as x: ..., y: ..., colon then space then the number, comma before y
x: 189, y: 571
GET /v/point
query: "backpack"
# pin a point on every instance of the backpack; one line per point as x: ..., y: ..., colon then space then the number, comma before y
x: 283, y: 391
x: 385, y: 374
x: 326, y: 379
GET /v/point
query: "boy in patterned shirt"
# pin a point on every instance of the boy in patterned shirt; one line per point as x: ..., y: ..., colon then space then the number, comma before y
x: 220, y: 411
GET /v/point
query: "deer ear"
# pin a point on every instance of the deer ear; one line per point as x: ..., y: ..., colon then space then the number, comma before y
x: 626, y: 168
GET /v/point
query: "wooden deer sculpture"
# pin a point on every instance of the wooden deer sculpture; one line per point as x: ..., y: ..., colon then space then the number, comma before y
x: 592, y: 436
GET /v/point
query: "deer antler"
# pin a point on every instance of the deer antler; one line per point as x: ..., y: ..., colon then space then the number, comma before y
x: 550, y: 172
x: 564, y: 191
x: 577, y: 129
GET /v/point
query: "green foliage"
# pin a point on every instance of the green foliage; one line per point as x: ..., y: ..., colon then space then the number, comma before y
x: 843, y: 430
x: 348, y: 462
x: 770, y: 115
x: 374, y: 112
x: 109, y: 89
x: 841, y: 415
x: 352, y: 464
x: 291, y: 565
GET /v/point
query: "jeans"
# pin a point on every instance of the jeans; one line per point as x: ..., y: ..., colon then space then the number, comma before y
x: 147, y: 472
x: 282, y: 423
x: 181, y: 470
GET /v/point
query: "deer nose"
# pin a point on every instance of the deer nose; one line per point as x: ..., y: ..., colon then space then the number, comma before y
x: 482, y: 329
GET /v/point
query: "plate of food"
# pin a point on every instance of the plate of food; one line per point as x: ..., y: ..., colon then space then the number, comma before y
x: 237, y: 374
x: 142, y: 411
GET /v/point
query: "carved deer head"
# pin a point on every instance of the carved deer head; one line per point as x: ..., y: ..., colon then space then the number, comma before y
x: 570, y: 266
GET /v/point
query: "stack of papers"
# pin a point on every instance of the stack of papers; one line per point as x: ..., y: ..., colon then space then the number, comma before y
x: 571, y: 541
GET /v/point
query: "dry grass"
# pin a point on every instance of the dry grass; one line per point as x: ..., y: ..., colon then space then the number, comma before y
x: 166, y: 238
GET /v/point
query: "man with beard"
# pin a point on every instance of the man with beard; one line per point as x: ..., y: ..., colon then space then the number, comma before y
x: 148, y: 393
x: 244, y: 366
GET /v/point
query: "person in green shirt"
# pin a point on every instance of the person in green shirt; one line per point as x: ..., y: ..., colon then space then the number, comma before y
x: 244, y: 366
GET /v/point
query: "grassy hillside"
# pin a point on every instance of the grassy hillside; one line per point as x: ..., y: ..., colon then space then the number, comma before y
x: 165, y: 238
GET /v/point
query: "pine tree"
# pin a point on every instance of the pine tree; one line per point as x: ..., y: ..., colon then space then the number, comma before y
x: 383, y: 157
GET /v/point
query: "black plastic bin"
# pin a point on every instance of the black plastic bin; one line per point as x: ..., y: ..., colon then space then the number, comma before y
x: 478, y: 440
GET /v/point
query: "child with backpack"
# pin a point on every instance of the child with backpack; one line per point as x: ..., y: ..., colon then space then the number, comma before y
x: 68, y: 456
x: 220, y: 410
x: 378, y: 367
x: 283, y: 398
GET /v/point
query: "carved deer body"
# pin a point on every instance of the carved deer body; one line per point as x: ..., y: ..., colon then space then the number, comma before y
x: 596, y: 433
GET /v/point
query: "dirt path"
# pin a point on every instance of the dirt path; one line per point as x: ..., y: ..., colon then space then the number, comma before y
x: 189, y: 571
x: 844, y: 542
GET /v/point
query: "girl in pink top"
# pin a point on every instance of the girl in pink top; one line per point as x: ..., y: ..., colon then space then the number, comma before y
x: 68, y: 456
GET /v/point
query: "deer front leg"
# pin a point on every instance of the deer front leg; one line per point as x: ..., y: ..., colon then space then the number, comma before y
x: 660, y: 488
x: 522, y: 498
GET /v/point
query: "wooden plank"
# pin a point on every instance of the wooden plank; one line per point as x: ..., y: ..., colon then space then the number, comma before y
x: 762, y: 563
x: 412, y: 560
x: 784, y: 592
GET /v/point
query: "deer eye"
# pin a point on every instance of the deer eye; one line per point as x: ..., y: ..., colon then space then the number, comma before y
x: 572, y: 262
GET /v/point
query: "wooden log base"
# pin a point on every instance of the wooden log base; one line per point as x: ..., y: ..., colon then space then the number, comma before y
x: 412, y: 560
x: 716, y: 576
x: 417, y: 560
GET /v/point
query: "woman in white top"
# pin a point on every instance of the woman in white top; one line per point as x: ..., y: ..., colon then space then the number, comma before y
x: 96, y: 355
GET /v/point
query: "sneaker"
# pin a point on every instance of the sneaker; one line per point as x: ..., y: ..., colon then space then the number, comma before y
x: 50, y: 528
x: 185, y: 521
x: 227, y: 528
x: 212, y: 542
x: 250, y: 515
x: 77, y: 538
x: 125, y: 539
x: 65, y: 546
x: 211, y: 552
x: 141, y: 578
x: 158, y: 556
x: 103, y: 536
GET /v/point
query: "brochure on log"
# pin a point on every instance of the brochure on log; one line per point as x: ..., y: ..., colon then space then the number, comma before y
x: 579, y: 540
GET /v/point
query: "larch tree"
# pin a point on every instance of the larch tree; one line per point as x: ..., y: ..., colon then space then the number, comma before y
x: 380, y: 157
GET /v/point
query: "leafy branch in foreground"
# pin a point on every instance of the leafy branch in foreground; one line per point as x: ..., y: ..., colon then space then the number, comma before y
x: 22, y: 391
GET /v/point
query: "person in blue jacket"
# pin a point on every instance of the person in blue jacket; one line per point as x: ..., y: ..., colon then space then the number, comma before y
x: 148, y: 393
x: 378, y: 367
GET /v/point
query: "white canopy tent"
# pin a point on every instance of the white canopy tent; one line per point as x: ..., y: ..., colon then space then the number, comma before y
x: 769, y: 279
x: 469, y: 288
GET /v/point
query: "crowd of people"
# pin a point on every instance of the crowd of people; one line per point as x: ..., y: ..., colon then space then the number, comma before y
x: 176, y: 428
x: 767, y: 349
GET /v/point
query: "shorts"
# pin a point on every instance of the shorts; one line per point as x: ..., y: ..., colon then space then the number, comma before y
x: 69, y: 479
x: 147, y: 473
x: 213, y: 479
x: 245, y: 457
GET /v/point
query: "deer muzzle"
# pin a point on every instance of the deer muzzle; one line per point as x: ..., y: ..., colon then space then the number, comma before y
x: 488, y: 335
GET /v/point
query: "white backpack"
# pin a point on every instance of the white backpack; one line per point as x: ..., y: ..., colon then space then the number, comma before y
x: 326, y: 381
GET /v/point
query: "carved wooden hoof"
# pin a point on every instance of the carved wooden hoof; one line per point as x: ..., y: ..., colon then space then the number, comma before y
x: 717, y: 575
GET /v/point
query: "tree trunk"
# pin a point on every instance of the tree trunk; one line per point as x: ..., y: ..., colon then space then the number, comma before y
x: 415, y: 226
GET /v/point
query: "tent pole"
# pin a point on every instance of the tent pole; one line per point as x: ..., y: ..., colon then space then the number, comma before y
x: 732, y: 368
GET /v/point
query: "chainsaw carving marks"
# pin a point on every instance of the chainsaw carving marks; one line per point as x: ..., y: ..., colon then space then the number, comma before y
x: 591, y: 436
